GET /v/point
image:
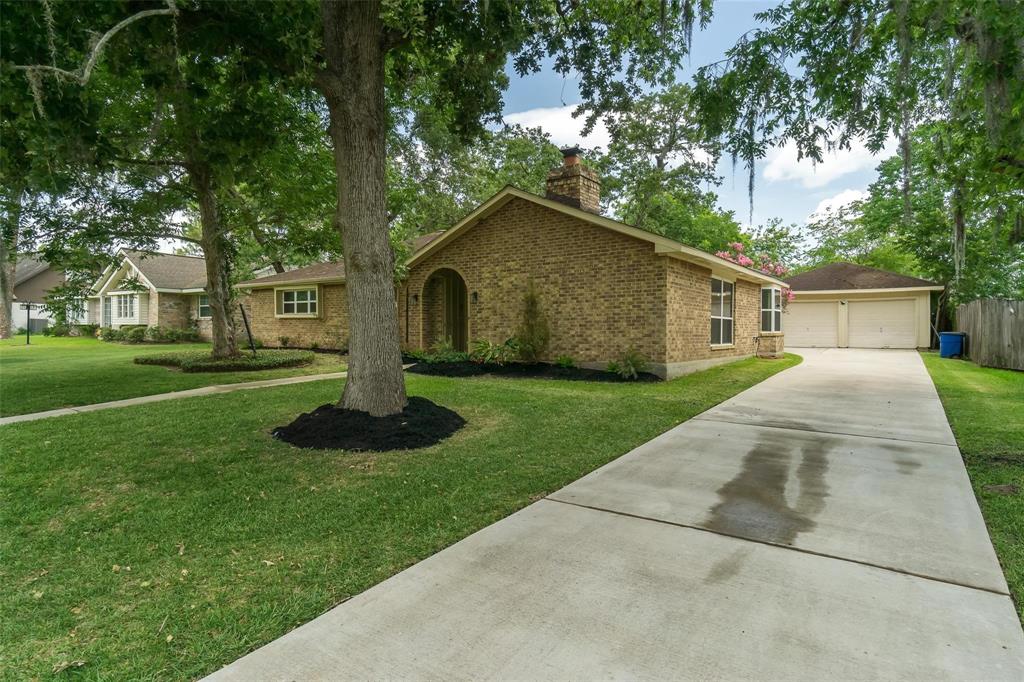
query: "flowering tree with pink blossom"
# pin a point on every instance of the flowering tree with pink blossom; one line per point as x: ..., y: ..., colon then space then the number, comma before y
x: 763, y: 262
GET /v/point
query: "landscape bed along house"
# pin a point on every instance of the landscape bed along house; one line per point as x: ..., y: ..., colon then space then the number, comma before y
x: 606, y: 288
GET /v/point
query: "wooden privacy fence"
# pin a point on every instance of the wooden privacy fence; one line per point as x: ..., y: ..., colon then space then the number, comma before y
x: 995, y: 332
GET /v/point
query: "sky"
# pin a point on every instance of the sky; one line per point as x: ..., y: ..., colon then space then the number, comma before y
x: 784, y: 187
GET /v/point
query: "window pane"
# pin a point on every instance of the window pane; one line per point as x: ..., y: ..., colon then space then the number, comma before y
x: 778, y: 299
x: 766, y: 298
x: 727, y: 301
x: 312, y: 307
x: 289, y: 308
x: 778, y: 320
x: 289, y: 296
x: 312, y: 294
x: 716, y: 286
x: 301, y: 295
x: 716, y: 305
x: 726, y: 331
x: 766, y: 320
x: 716, y: 331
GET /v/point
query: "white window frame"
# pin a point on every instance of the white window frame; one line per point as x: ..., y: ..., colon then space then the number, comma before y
x: 200, y: 305
x: 774, y: 309
x: 126, y: 306
x: 730, y: 317
x: 311, y: 301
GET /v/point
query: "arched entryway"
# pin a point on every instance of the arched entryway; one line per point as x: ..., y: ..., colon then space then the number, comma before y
x: 445, y: 310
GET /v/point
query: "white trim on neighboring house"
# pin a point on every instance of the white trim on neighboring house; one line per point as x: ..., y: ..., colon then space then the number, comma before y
x: 300, y: 283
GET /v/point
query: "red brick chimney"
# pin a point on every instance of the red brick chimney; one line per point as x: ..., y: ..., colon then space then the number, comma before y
x: 575, y: 184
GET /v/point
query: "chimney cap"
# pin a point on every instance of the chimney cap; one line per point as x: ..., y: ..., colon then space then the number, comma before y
x: 570, y: 151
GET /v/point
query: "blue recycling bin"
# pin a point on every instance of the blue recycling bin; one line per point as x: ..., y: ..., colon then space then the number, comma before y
x: 951, y: 344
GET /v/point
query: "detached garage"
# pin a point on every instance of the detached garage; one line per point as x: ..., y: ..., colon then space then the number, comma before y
x: 843, y: 305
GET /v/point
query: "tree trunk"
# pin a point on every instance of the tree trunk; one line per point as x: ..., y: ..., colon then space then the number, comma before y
x: 216, y: 250
x: 8, y: 258
x: 353, y: 85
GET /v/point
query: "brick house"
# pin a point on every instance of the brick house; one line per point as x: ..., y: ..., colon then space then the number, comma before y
x: 605, y: 287
x: 152, y: 289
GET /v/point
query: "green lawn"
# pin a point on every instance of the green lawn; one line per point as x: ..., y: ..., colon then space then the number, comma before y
x: 164, y: 541
x: 57, y: 372
x: 986, y: 410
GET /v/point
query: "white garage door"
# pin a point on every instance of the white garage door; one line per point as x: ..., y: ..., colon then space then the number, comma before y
x: 883, y: 324
x: 811, y: 325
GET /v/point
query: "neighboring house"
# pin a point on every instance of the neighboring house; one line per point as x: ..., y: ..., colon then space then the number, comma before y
x: 34, y: 278
x: 152, y: 289
x: 844, y: 305
x: 605, y: 287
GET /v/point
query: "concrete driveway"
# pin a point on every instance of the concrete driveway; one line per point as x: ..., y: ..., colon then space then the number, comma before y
x: 820, y: 524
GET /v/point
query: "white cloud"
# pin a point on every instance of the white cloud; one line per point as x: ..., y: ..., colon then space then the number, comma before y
x: 782, y: 164
x: 833, y: 203
x: 565, y: 131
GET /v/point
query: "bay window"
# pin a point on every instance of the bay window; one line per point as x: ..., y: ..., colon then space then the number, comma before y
x: 771, y: 309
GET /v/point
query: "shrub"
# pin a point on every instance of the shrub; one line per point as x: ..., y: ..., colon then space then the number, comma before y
x: 57, y: 330
x: 489, y: 353
x: 444, y: 351
x: 134, y: 335
x: 202, y: 361
x: 533, y: 333
x: 110, y: 334
x: 566, y: 362
x: 315, y: 345
x: 87, y: 329
x: 283, y: 341
x: 629, y: 365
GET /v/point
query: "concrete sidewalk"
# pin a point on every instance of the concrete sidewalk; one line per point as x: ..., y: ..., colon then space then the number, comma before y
x: 173, y: 395
x: 819, y: 525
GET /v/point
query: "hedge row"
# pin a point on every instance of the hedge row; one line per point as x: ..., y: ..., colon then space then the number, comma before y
x: 202, y: 361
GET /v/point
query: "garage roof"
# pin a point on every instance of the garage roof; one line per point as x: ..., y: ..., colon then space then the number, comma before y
x: 845, y: 276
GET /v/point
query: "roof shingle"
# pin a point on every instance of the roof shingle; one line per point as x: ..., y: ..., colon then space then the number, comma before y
x: 170, y: 271
x: 836, y: 276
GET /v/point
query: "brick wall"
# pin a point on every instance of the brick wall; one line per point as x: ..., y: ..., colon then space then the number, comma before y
x: 170, y: 310
x: 330, y: 330
x: 602, y: 292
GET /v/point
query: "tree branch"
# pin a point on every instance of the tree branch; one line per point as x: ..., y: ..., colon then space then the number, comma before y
x: 82, y: 76
x: 151, y: 162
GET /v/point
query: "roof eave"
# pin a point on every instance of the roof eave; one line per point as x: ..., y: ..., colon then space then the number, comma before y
x: 877, y: 290
x: 256, y: 284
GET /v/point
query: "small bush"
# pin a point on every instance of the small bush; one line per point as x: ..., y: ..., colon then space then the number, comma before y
x: 314, y: 346
x: 283, y: 341
x: 110, y: 334
x: 533, y: 334
x: 87, y: 329
x: 629, y: 365
x: 202, y: 361
x: 134, y: 335
x: 488, y: 353
x: 57, y: 330
x: 444, y: 351
x: 566, y: 362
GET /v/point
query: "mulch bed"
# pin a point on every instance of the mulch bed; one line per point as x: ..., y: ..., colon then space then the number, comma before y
x: 540, y: 370
x: 421, y: 424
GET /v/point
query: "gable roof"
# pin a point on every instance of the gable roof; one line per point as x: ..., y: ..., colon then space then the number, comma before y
x: 161, y: 271
x: 322, y: 273
x: 844, y: 276
x: 662, y: 245
x: 169, y: 270
x: 28, y: 267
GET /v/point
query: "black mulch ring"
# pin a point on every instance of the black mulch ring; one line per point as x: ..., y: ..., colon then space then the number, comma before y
x: 421, y: 424
x: 540, y: 370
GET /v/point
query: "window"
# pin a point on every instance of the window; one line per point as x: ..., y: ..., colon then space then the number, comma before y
x: 126, y: 305
x: 203, y: 306
x: 771, y: 309
x: 297, y: 302
x: 721, y: 312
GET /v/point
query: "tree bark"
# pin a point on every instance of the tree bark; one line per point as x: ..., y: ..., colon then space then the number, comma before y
x: 9, y: 257
x: 352, y: 83
x: 216, y: 250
